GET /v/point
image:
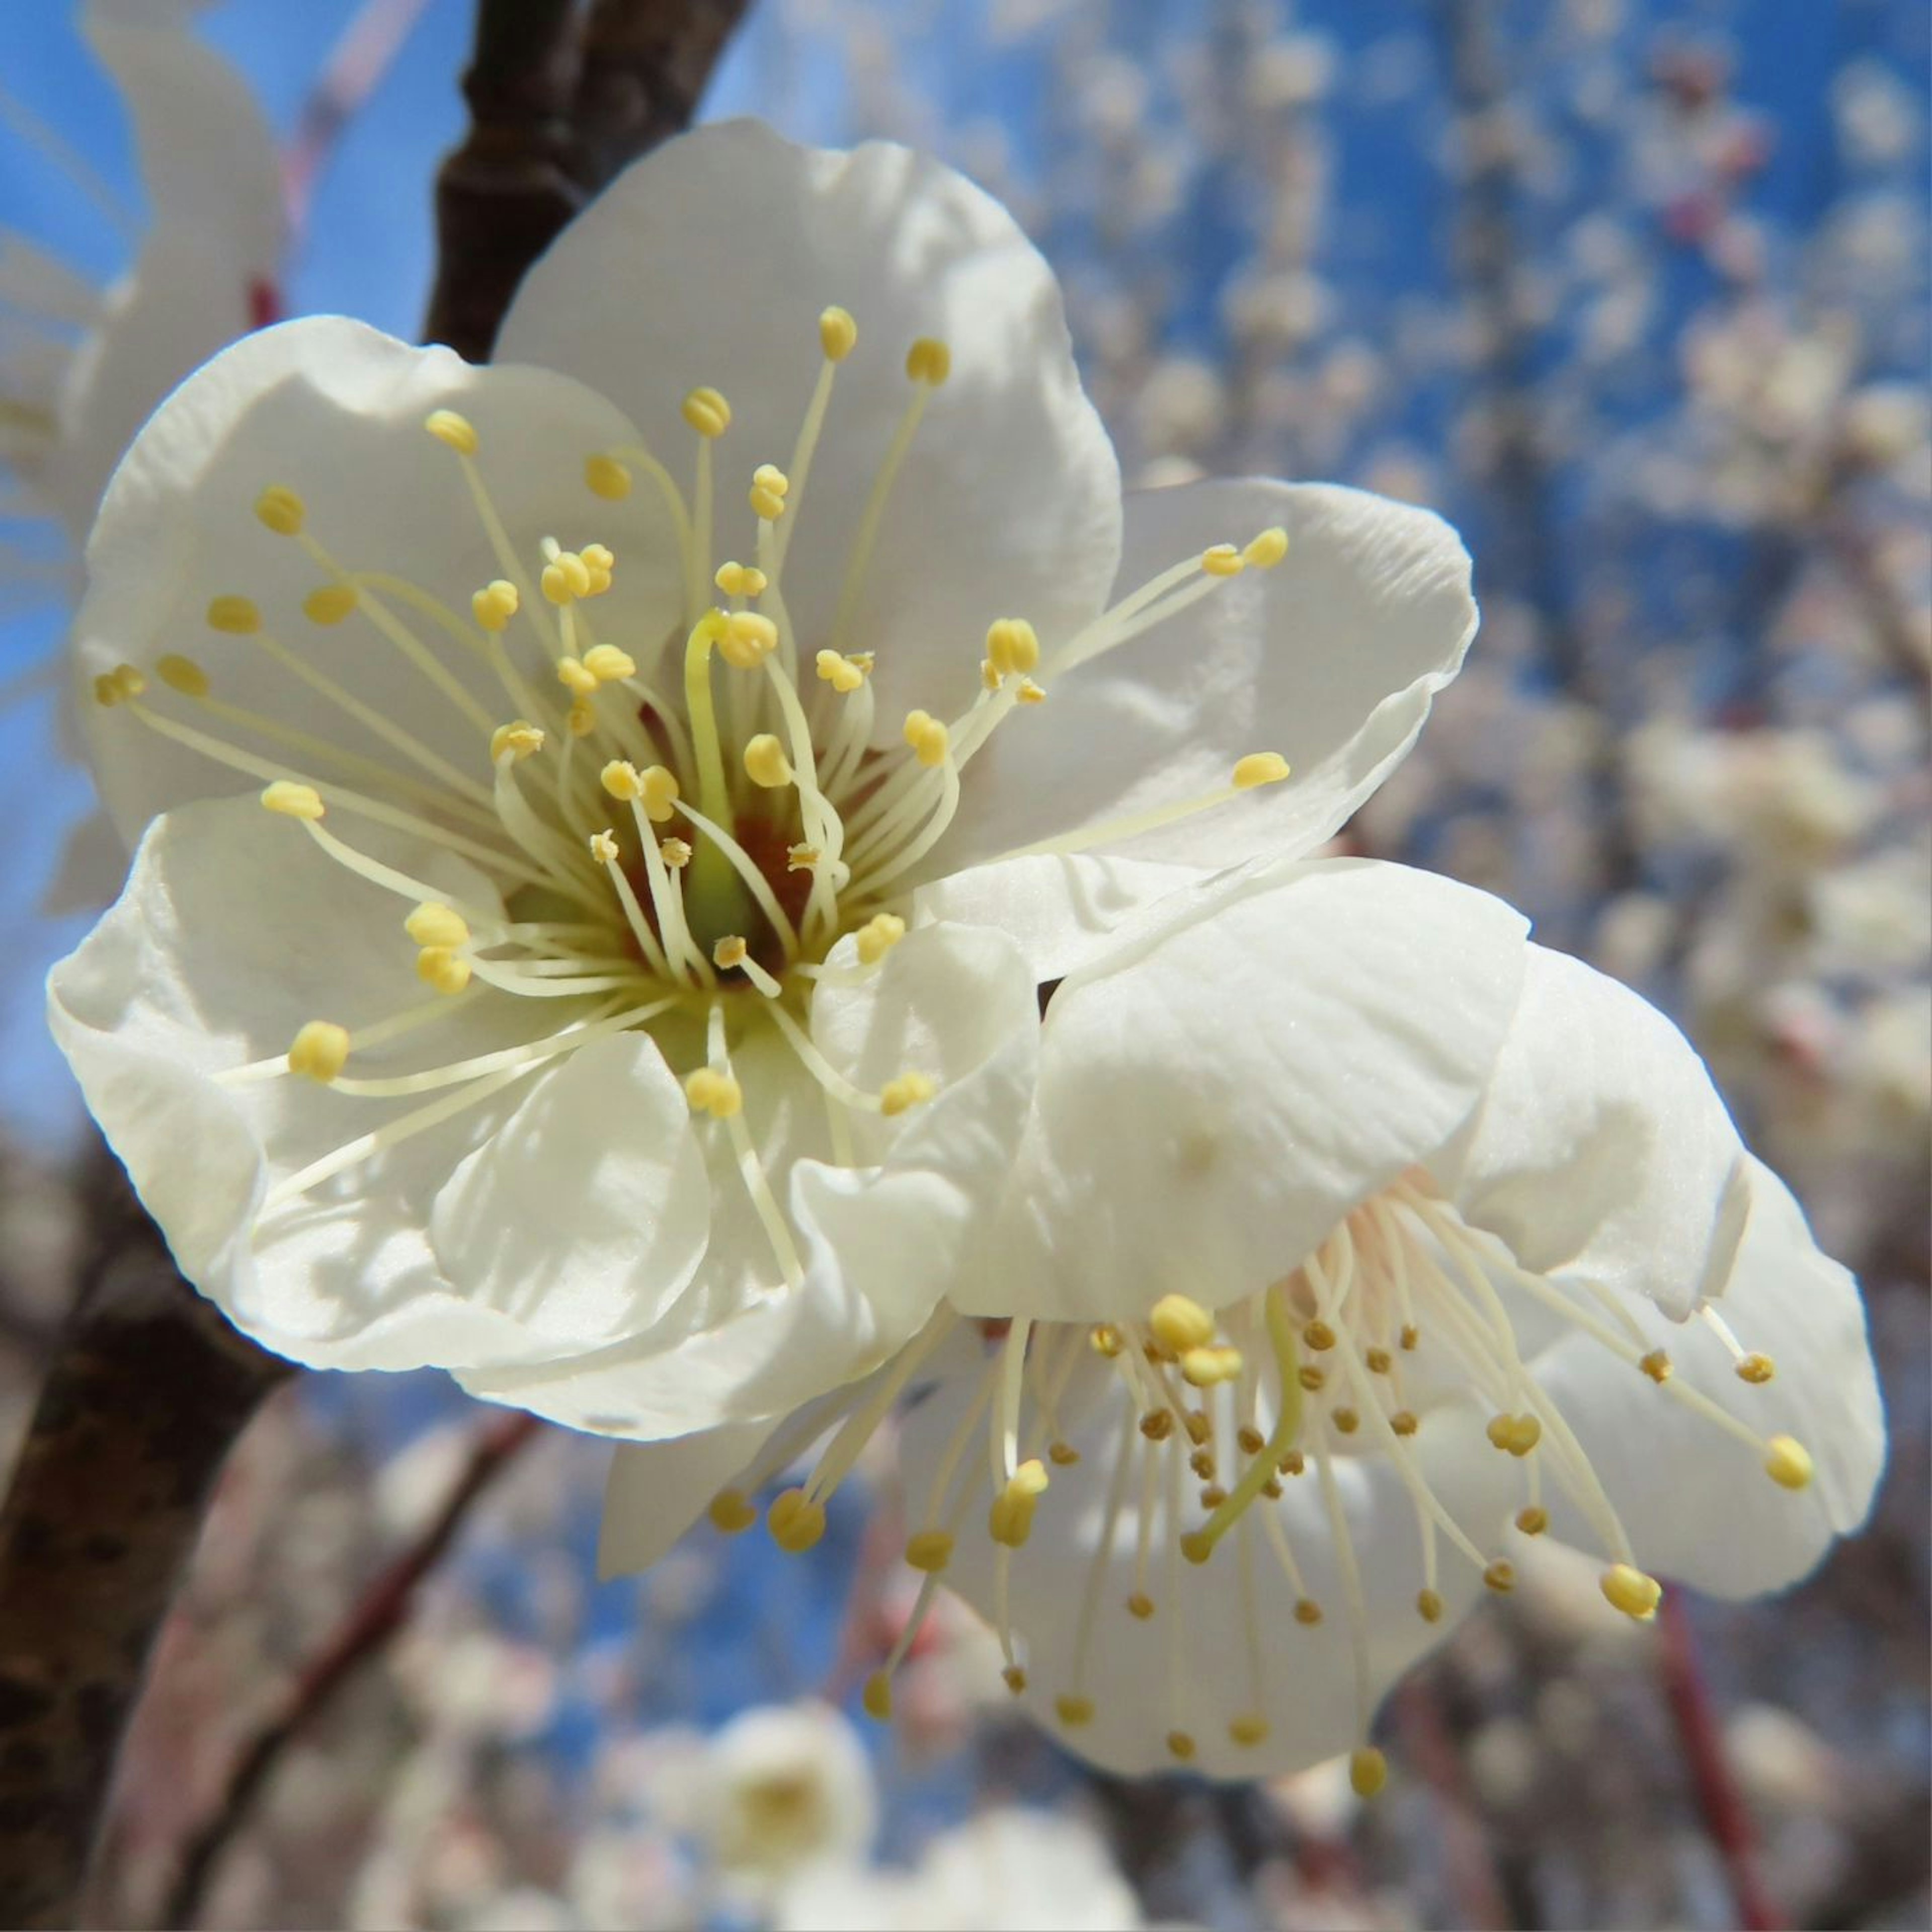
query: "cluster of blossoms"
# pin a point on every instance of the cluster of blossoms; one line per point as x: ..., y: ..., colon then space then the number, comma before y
x: 715, y: 880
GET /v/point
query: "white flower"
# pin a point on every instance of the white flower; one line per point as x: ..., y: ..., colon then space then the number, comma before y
x: 1353, y: 1241
x: 628, y: 1001
x: 779, y: 1787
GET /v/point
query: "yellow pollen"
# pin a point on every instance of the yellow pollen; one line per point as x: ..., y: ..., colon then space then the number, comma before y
x: 766, y: 764
x: 580, y: 720
x: 432, y: 924
x: 440, y: 967
x: 739, y: 579
x: 1307, y: 1611
x: 1788, y: 1463
x: 658, y: 788
x: 731, y: 1512
x: 455, y: 432
x: 1248, y: 1731
x: 928, y: 738
x: 720, y: 1096
x: 518, y: 739
x: 1014, y: 1678
x: 1368, y: 1771
x: 989, y: 674
x: 320, y: 1051
x: 1180, y: 1323
x: 1500, y: 1577
x: 1074, y: 1711
x: 1012, y: 647
x: 1140, y: 1605
x: 876, y: 1697
x: 1319, y: 1336
x: 236, y: 617
x: 604, y: 476
x: 931, y: 1550
x: 607, y: 664
x: 565, y: 578
x: 576, y: 676
x: 730, y: 951
x: 748, y: 638
x: 281, y: 510
x: 1532, y: 1522
x: 841, y: 672
x: 769, y: 486
x: 604, y: 848
x: 1656, y: 1366
x: 1631, y: 1591
x: 495, y: 604
x: 182, y: 674
x: 620, y: 779
x: 1205, y: 1367
x: 801, y: 858
x: 1403, y: 1422
x: 1429, y: 1606
x: 1180, y: 1746
x: 795, y: 1523
x: 1259, y: 768
x: 1517, y: 1435
x: 1010, y: 1519
x: 928, y: 361
x: 675, y: 853
x: 1031, y: 693
x: 838, y: 334
x: 1267, y: 550
x: 1104, y: 1340
x: 1757, y: 1368
x: 707, y: 412
x: 292, y: 800
x: 1222, y: 560
x: 878, y: 937
x: 908, y: 1090
x: 330, y: 604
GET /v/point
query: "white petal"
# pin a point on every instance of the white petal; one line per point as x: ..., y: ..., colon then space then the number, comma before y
x: 1331, y: 658
x: 708, y: 263
x: 1697, y: 1503
x: 335, y: 411
x: 1254, y: 1059
x: 657, y: 1490
x: 1602, y: 1150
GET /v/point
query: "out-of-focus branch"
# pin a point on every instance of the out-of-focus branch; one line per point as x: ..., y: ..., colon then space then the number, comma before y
x: 147, y: 1391
x: 381, y: 1611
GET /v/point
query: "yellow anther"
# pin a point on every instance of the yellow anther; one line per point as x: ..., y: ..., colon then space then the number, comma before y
x: 731, y: 1511
x: 182, y: 674
x: 1140, y: 1605
x: 580, y: 720
x: 565, y: 578
x: 604, y: 476
x: 1010, y: 1519
x: 1267, y: 550
x: 658, y: 788
x: 795, y: 1523
x: 675, y: 853
x: 1157, y: 1425
x: 929, y: 361
x: 841, y: 672
x: 1788, y: 1463
x: 1248, y: 1731
x: 1180, y: 1323
x: 440, y: 967
x: 620, y: 779
x: 107, y: 689
x: 292, y: 800
x: 1205, y: 1367
x: 707, y: 412
x: 929, y: 738
x: 1516, y: 1434
x: 1656, y: 1366
x: 910, y: 1090
x: 1199, y: 1428
x: 1222, y: 560
x: 1500, y: 1577
x: 1031, y: 693
x: 878, y: 937
x: 730, y: 951
x: 607, y: 664
x: 1074, y: 1711
x: 1368, y: 1771
x: 1014, y: 1678
x: 495, y: 604
x: 330, y: 604
x: 1757, y: 1368
x: 1379, y: 1361
x: 1319, y: 1336
x: 1062, y: 1455
x: 1410, y: 1335
x: 930, y: 1550
x: 1346, y: 1421
x: 1249, y: 1439
x: 766, y: 764
x: 989, y: 675
x: 1106, y: 1340
x: 281, y: 510
x: 432, y: 924
x: 746, y: 638
x: 1259, y: 768
x: 1180, y: 1746
x: 1197, y: 1546
x: 604, y: 848
x: 1213, y: 1496
x: 1311, y: 1377
x: 1307, y: 1611
x: 1202, y: 1463
x: 518, y: 739
x: 876, y: 1697
x: 838, y: 334
x: 455, y: 432
x: 576, y: 676
x: 320, y: 1051
x: 1532, y: 1521
x: 720, y: 1096
x: 237, y: 617
x: 801, y: 858
x: 769, y: 484
x: 1272, y: 1490
x: 1012, y: 647
x: 1403, y: 1422
x: 1631, y: 1591
x: 740, y: 580
x: 1429, y: 1606
x: 1293, y: 1463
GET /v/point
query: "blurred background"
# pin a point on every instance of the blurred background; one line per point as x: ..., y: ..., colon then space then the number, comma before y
x: 1635, y: 293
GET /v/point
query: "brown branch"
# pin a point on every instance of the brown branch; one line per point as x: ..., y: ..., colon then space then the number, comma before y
x: 148, y: 1391
x: 1721, y: 1804
x: 381, y: 1611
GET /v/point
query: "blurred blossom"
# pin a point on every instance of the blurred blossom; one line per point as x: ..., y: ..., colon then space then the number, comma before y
x: 778, y: 1789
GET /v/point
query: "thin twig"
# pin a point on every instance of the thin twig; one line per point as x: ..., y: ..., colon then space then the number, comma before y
x: 381, y: 1611
x: 1726, y: 1818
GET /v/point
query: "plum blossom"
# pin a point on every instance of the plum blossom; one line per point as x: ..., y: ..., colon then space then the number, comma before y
x: 686, y: 747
